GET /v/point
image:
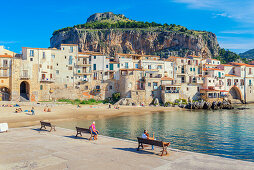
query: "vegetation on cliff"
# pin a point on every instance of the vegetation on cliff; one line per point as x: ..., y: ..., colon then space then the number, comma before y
x: 226, y: 56
x: 248, y: 54
x: 123, y: 22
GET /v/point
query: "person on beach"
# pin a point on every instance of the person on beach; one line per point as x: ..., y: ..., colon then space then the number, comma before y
x: 94, y: 131
x: 46, y: 109
x: 32, y: 110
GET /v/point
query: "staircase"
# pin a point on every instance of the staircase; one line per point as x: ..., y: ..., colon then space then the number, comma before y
x: 23, y: 97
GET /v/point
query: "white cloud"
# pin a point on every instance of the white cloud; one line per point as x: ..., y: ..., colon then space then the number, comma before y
x: 241, y: 10
x: 236, y: 42
x: 8, y: 42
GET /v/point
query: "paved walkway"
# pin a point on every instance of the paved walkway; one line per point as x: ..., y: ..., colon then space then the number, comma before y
x: 29, y: 148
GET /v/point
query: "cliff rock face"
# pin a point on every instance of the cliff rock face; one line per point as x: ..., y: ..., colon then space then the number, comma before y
x: 106, y: 15
x: 143, y: 41
x: 129, y: 36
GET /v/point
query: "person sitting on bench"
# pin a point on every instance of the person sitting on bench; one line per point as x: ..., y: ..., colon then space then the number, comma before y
x: 94, y: 131
x: 145, y: 135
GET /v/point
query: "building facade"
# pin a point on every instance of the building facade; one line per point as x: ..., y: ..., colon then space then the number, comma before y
x: 45, y: 74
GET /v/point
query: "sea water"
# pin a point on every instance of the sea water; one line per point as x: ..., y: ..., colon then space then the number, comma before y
x: 226, y: 133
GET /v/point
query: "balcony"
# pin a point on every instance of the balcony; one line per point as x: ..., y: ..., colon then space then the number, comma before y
x: 47, y: 80
x: 24, y: 77
x: 4, y: 67
x: 4, y: 75
x: 171, y: 91
x: 83, y: 73
x: 84, y: 64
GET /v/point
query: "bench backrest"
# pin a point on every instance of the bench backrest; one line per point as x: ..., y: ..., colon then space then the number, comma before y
x: 45, y: 123
x: 83, y: 130
x: 150, y: 142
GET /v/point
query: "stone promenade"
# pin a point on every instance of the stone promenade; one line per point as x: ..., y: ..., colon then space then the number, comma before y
x: 29, y: 148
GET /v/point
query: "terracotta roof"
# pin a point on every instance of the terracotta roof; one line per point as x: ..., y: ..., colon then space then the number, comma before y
x: 137, y: 55
x: 166, y: 78
x: 223, y: 91
x: 69, y: 44
x: 209, y: 90
x: 241, y: 64
x: 230, y: 75
x: 226, y: 65
x: 6, y: 56
x: 212, y: 69
x: 173, y: 57
x: 194, y: 56
x: 90, y: 53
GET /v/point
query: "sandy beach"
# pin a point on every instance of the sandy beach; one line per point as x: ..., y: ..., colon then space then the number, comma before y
x: 61, y: 112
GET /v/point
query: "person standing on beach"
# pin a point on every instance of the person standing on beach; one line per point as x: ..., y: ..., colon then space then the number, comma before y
x: 32, y: 110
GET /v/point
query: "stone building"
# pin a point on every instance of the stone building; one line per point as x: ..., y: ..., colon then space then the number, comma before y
x: 42, y: 74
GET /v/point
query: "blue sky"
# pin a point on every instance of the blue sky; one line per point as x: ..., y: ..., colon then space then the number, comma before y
x: 30, y: 23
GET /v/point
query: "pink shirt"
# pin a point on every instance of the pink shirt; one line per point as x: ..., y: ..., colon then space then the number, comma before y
x: 93, y: 127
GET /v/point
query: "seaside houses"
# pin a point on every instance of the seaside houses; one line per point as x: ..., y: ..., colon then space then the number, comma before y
x: 43, y: 74
x: 6, y: 59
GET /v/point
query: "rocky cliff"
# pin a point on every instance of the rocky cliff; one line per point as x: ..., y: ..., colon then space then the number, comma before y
x: 159, y: 40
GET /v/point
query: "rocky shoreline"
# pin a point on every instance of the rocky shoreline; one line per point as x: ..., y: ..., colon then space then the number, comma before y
x: 225, y: 104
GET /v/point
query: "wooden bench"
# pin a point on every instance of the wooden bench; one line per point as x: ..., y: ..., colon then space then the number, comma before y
x: 162, y: 144
x: 84, y: 130
x: 44, y: 124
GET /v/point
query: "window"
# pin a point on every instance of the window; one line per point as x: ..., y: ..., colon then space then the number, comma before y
x: 159, y: 67
x: 31, y: 59
x: 94, y: 66
x: 65, y: 86
x: 43, y: 55
x: 249, y: 82
x: 126, y: 65
x: 94, y: 57
x: 57, y: 71
x: 111, y: 66
x: 193, y: 69
x: 53, y: 56
x: 71, y: 49
x: 182, y: 61
x: 98, y: 87
x: 41, y: 87
x: 149, y: 84
x: 228, y: 82
x: 31, y: 53
x: 155, y: 85
x: 5, y: 63
x: 190, y: 69
x: 187, y: 89
x: 110, y: 87
x: 107, y: 66
x: 69, y: 68
x: 70, y: 60
x: 118, y: 65
x: 249, y: 70
x: 136, y: 65
x: 78, y: 71
x: 149, y: 66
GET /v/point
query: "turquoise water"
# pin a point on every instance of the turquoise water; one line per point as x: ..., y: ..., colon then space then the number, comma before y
x: 226, y: 133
